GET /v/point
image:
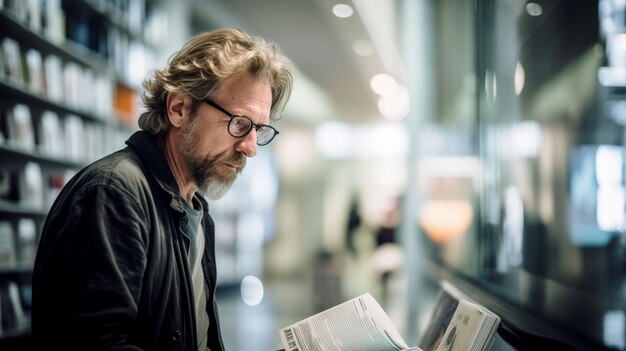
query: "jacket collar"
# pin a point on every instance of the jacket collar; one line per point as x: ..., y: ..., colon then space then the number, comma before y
x: 148, y: 149
x: 151, y: 155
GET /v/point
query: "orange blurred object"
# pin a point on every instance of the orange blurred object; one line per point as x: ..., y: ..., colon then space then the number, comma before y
x: 126, y: 105
x: 445, y: 221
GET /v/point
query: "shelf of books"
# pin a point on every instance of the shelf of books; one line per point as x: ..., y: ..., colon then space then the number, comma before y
x: 70, y: 73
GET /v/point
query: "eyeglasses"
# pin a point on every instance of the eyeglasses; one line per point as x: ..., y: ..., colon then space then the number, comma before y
x: 240, y: 126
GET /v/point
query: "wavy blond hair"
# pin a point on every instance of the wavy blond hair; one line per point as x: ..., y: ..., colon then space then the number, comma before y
x: 204, y: 63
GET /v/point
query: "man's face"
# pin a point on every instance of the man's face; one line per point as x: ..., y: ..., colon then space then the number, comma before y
x: 213, y: 155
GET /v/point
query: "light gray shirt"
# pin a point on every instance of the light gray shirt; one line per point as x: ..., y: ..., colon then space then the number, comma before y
x: 196, y: 250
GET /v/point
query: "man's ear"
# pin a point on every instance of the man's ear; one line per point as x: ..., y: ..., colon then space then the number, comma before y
x: 176, y: 108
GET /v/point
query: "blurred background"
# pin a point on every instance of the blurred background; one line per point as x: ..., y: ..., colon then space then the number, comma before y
x: 476, y: 141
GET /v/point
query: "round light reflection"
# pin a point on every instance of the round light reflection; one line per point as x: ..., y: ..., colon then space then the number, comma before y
x: 395, y: 107
x: 251, y: 290
x: 342, y: 10
x: 519, y: 78
x: 534, y: 9
x: 363, y: 47
x: 383, y: 84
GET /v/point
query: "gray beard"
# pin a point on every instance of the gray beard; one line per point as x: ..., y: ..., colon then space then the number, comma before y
x: 209, y: 183
x: 212, y: 188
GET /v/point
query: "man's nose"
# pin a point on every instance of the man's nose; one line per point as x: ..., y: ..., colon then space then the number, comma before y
x: 247, y: 145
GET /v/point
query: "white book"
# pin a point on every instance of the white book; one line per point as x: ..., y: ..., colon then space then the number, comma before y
x: 102, y: 97
x: 20, y: 321
x: 34, y: 63
x: 136, y: 15
x: 51, y: 135
x: 20, y: 127
x: 2, y: 312
x: 74, y: 138
x: 358, y: 324
x: 33, y: 14
x: 94, y: 141
x: 54, y: 80
x: 54, y: 21
x: 3, y: 66
x: 26, y: 241
x: 31, y: 186
x: 7, y: 245
x: 12, y: 58
x: 71, y: 84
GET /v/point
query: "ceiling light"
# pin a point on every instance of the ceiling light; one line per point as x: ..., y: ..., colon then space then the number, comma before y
x: 342, y: 10
x: 395, y: 107
x: 363, y: 47
x: 383, y: 84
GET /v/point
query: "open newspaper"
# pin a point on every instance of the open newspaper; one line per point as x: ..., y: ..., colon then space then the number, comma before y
x: 358, y: 324
x: 472, y: 328
x: 456, y: 324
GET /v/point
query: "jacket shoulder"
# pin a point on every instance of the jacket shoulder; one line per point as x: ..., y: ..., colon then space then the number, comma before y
x: 122, y: 167
x: 121, y: 171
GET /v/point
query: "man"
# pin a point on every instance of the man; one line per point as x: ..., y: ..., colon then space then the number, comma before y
x: 126, y: 259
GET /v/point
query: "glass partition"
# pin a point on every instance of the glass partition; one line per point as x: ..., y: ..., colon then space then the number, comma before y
x: 522, y: 171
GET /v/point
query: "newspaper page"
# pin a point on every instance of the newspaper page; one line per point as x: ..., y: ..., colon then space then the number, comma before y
x: 358, y: 324
x: 446, y: 304
x: 444, y: 307
x: 463, y: 328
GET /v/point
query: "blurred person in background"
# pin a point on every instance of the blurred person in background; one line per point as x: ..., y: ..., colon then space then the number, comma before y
x: 126, y: 259
x: 354, y: 222
x: 388, y: 256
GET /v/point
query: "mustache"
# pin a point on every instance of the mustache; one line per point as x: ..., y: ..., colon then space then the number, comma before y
x: 237, y: 159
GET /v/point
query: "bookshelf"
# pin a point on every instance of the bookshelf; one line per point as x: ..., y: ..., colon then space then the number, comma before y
x: 68, y: 95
